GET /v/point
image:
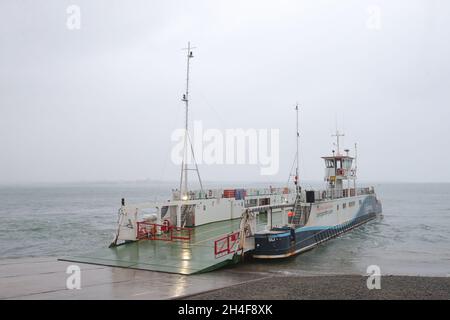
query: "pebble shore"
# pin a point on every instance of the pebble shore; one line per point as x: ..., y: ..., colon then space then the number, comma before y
x: 333, y: 287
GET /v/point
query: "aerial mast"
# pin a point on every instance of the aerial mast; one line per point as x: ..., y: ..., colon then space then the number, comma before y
x: 184, y: 164
x: 297, y: 154
x: 356, y: 165
x: 338, y: 135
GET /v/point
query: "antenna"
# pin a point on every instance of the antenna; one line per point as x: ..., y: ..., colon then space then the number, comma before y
x: 297, y: 155
x: 184, y: 164
x: 356, y: 165
x: 337, y: 135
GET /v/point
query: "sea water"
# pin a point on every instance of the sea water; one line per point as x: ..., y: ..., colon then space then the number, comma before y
x: 412, y: 237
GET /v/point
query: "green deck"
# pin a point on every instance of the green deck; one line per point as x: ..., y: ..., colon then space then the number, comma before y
x: 180, y: 257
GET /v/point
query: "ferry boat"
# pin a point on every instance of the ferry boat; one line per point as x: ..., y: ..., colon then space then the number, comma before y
x: 306, y: 218
x: 319, y: 216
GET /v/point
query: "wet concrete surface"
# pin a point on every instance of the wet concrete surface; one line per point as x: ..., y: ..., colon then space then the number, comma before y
x: 45, y: 278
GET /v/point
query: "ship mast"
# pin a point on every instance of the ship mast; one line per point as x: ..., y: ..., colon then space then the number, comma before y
x: 297, y: 154
x: 337, y: 135
x: 356, y: 165
x: 184, y: 164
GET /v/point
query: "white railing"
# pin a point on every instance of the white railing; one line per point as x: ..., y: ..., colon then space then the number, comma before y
x: 344, y: 193
x: 219, y: 193
x: 319, y: 195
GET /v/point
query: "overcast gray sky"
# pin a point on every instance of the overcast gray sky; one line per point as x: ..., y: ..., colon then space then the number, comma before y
x: 101, y: 102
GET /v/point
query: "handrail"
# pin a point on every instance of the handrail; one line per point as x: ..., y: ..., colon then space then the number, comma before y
x: 321, y: 195
x: 154, y: 231
x: 226, y: 244
x: 218, y: 193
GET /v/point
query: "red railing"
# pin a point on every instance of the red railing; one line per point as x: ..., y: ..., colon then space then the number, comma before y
x: 180, y: 233
x: 226, y: 245
x: 153, y: 231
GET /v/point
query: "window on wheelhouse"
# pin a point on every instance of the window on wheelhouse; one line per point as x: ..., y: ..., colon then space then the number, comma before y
x: 329, y: 163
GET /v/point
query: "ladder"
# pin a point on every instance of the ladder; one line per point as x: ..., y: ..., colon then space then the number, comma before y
x: 301, y: 215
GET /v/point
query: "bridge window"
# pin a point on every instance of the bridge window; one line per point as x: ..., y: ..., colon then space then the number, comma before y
x: 329, y: 163
x: 347, y: 164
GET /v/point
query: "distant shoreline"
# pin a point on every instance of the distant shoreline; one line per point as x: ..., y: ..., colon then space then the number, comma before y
x: 304, y: 183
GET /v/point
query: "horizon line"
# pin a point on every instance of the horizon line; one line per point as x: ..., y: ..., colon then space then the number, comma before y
x: 148, y: 180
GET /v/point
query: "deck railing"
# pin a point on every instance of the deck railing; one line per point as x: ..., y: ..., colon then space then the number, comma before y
x: 153, y: 231
x: 218, y: 193
x: 251, y: 192
x: 226, y: 245
x: 321, y: 195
